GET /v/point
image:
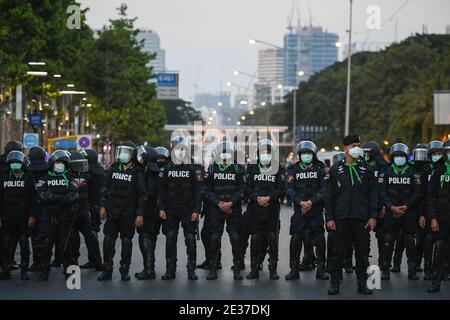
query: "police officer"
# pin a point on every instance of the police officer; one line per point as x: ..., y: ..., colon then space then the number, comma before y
x: 10, y: 146
x: 439, y: 201
x: 17, y: 202
x: 96, y: 181
x: 148, y: 233
x: 225, y: 185
x: 58, y: 193
x: 38, y: 166
x: 122, y: 204
x: 372, y: 155
x: 179, y: 195
x: 305, y: 186
x: 351, y: 211
x: 79, y: 166
x: 425, y: 158
x: 400, y: 190
x: 265, y: 188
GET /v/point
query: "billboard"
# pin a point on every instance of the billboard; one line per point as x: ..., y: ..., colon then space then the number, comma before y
x: 441, y: 107
x: 167, y: 85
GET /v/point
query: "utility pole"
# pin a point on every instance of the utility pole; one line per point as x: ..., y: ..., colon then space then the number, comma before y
x: 347, y: 102
x: 294, y: 118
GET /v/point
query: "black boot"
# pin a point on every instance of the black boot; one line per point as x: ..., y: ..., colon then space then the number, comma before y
x: 45, y: 251
x: 213, y: 252
x: 320, y: 251
x: 93, y: 248
x: 191, y: 251
x: 273, y: 255
x: 24, y: 271
x: 203, y: 265
x: 295, y: 248
x: 124, y: 270
x: 410, y: 245
x: 362, y: 283
x: 255, y: 247
x: 334, y: 283
x: 388, y: 248
x: 147, y: 247
x: 171, y: 255
x: 108, y: 255
x: 236, y: 249
x: 435, y: 283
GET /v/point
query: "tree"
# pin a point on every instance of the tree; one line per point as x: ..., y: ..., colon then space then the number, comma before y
x: 116, y: 72
x: 180, y: 112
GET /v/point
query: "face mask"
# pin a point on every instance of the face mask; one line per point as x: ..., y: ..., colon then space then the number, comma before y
x: 124, y: 158
x: 265, y: 158
x: 399, y: 161
x: 225, y: 156
x: 436, y: 158
x: 356, y: 152
x: 15, y: 166
x: 306, y: 158
x: 59, y: 167
x: 180, y: 154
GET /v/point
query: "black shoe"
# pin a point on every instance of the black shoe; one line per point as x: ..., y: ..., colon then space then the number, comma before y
x: 34, y: 267
x: 14, y: 266
x: 55, y: 264
x: 124, y: 276
x: 428, y: 275
x: 395, y: 268
x: 385, y: 275
x: 88, y: 265
x: 412, y: 275
x: 212, y: 275
x: 419, y: 270
x: 273, y: 275
x: 192, y: 275
x: 105, y: 275
x: 24, y: 275
x: 434, y: 287
x: 240, y: 266
x: 293, y: 275
x: 362, y: 289
x: 145, y: 275
x: 333, y: 290
x: 43, y: 276
x: 168, y: 276
x: 444, y: 276
x: 203, y: 265
x: 349, y: 269
x: 237, y: 275
x: 254, y: 274
x: 5, y: 275
x: 321, y: 275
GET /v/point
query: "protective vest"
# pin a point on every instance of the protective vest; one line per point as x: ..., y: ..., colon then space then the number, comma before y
x: 180, y: 181
x: 226, y: 181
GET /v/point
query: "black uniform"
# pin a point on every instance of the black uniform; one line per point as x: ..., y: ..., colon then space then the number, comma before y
x: 264, y: 221
x: 439, y: 204
x: 400, y: 188
x: 179, y: 195
x: 17, y: 202
x: 306, y: 183
x: 225, y: 183
x: 123, y: 196
x: 379, y: 166
x: 152, y: 223
x: 351, y: 200
x: 58, y: 194
x: 83, y: 223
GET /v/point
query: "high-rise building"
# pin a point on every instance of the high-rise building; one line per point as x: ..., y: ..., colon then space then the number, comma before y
x: 152, y: 46
x: 309, y: 49
x: 270, y: 66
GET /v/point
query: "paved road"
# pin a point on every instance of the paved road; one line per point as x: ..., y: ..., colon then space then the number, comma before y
x: 223, y: 288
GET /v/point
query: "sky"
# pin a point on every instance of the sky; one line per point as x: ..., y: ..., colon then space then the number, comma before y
x: 205, y: 40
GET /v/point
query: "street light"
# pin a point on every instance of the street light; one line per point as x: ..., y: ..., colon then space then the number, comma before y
x: 349, y: 68
x: 251, y: 41
x: 236, y: 72
x: 228, y: 84
x: 263, y: 103
x: 252, y: 112
x: 37, y: 73
x: 280, y: 86
x: 38, y: 63
x: 70, y: 85
x: 301, y: 73
x: 56, y: 76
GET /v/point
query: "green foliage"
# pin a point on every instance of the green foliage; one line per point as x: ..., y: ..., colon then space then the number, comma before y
x: 391, y: 94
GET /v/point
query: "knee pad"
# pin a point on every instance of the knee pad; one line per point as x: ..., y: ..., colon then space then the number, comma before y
x: 389, y: 238
x: 296, y: 237
x: 271, y: 236
x: 216, y: 236
x: 409, y: 240
x: 126, y: 241
x: 189, y: 236
x: 171, y: 234
x: 234, y: 236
